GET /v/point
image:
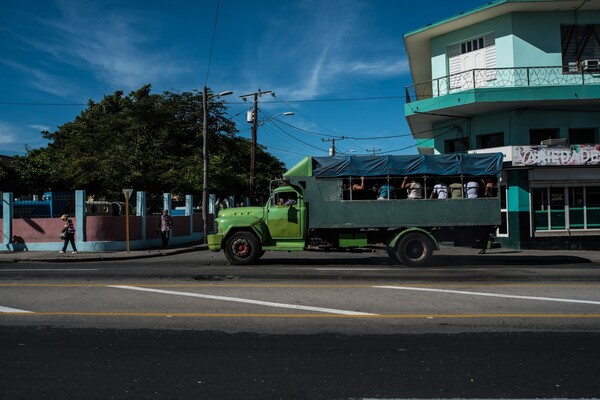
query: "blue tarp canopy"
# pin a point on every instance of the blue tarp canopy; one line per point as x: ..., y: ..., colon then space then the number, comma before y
x: 443, y: 164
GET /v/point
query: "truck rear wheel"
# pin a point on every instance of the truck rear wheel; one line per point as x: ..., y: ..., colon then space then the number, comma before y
x: 242, y: 248
x: 414, y: 250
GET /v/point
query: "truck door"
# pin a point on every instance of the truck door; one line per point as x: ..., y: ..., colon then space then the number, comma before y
x: 285, y: 214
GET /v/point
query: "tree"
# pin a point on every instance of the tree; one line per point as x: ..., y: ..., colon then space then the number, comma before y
x: 150, y: 142
x: 29, y: 174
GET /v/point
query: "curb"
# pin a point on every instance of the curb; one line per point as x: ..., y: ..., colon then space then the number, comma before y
x: 101, y: 257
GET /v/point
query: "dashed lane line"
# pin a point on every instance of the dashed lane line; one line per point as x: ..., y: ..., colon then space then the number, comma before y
x: 47, y: 269
x: 247, y: 301
x: 13, y: 310
x: 506, y: 296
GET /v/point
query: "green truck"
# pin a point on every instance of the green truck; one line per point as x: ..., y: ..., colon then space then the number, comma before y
x: 320, y: 204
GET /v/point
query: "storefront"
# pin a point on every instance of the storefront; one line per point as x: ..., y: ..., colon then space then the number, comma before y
x: 552, y: 197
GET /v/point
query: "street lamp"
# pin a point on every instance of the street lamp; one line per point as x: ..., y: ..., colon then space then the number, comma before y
x: 205, y: 157
x: 276, y: 115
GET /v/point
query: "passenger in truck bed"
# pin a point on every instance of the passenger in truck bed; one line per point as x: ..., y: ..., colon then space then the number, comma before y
x: 359, y: 186
x: 386, y: 192
x: 413, y: 188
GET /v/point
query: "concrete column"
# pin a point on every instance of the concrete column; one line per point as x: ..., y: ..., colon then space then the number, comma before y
x: 80, y: 216
x: 140, y: 210
x: 212, y: 209
x: 167, y: 200
x: 212, y: 203
x: 189, y: 210
x: 7, y: 216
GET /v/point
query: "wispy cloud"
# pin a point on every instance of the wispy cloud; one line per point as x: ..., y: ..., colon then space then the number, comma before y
x: 14, y: 138
x: 40, y: 128
x: 329, y: 47
x: 113, y: 44
x: 6, y: 139
x: 44, y: 80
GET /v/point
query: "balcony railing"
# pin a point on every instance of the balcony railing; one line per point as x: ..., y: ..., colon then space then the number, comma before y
x: 501, y: 78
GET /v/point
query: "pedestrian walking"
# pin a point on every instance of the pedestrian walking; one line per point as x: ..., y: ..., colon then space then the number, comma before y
x: 68, y: 234
x: 165, y: 226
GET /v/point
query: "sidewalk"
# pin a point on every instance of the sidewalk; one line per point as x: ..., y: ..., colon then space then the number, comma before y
x: 565, y: 256
x: 54, y: 256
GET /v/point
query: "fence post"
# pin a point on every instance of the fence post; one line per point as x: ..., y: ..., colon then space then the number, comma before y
x: 189, y: 210
x: 140, y: 210
x: 7, y: 216
x: 212, y: 209
x: 80, y: 216
x: 167, y: 198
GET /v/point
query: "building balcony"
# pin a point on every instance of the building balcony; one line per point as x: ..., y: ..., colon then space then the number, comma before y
x: 485, y: 92
x: 495, y: 78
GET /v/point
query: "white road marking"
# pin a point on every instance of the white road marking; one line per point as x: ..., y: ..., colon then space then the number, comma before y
x: 507, y: 296
x: 46, y: 269
x: 247, y: 301
x: 12, y: 310
x: 356, y: 269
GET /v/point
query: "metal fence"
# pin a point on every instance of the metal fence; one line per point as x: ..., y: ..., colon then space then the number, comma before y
x: 501, y: 78
x: 51, y: 205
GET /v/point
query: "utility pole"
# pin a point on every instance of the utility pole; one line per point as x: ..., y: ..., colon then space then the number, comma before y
x: 255, y: 96
x: 205, y: 182
x: 205, y: 163
x: 332, y: 148
x: 374, y: 150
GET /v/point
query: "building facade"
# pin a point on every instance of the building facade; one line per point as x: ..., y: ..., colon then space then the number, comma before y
x: 521, y: 77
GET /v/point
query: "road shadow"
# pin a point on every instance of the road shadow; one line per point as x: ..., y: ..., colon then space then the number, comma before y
x: 503, y: 259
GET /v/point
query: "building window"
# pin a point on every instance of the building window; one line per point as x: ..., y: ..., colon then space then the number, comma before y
x: 537, y: 135
x: 491, y: 140
x: 472, y: 63
x: 582, y: 136
x: 561, y: 208
x: 580, y: 45
x: 457, y: 145
x: 471, y: 45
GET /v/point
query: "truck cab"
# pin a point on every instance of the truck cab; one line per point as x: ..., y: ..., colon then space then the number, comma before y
x: 245, y: 233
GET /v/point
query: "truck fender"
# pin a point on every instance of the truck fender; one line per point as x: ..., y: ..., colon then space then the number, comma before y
x: 401, y: 234
x: 259, y: 229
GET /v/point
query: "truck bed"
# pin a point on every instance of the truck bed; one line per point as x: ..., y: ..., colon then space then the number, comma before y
x: 326, y: 209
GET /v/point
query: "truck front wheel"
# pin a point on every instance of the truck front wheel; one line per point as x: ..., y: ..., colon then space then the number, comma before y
x: 414, y: 250
x: 242, y: 248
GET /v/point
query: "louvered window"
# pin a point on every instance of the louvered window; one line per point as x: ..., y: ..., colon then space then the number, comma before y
x: 472, y: 63
x: 580, y: 46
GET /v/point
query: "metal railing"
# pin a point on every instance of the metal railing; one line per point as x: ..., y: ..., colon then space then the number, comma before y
x: 501, y: 78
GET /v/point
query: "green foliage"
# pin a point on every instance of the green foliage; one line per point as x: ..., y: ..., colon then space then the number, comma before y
x: 150, y: 142
x: 32, y: 173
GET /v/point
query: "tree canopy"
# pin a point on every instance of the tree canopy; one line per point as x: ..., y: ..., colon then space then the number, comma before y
x: 150, y: 142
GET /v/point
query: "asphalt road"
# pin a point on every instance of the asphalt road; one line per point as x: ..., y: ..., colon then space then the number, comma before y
x: 328, y: 326
x: 54, y: 363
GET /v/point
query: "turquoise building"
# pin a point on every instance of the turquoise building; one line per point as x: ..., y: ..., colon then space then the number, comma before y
x: 521, y: 77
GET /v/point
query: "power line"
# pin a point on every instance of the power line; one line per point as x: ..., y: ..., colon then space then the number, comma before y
x: 296, y: 139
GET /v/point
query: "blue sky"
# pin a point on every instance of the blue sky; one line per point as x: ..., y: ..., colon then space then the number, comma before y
x: 339, y: 65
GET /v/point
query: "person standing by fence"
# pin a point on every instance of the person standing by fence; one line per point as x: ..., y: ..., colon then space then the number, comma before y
x: 165, y: 226
x: 68, y: 234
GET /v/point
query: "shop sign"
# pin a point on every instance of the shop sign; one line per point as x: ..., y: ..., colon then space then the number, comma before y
x: 556, y: 155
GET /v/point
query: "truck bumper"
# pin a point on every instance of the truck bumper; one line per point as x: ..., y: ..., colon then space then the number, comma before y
x: 214, y: 242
